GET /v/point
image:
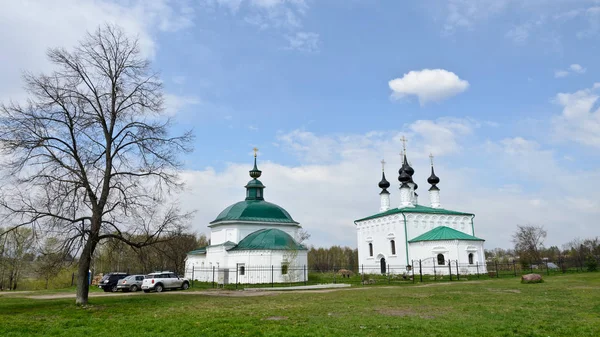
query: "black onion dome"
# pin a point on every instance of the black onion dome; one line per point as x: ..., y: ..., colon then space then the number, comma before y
x: 404, y: 177
x: 406, y: 167
x: 433, y: 179
x: 383, y: 184
x: 255, y: 172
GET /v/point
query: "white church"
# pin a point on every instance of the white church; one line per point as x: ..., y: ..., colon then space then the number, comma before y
x: 252, y: 241
x: 395, y: 240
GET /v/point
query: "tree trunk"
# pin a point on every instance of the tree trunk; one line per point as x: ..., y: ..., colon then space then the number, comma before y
x: 83, y: 286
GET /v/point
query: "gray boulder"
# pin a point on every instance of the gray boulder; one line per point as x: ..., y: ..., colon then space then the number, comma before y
x: 532, y: 278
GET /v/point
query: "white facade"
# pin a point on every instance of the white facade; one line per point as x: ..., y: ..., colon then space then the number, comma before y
x: 221, y: 264
x: 379, y: 234
x: 442, y: 237
x: 252, y: 241
x: 248, y: 267
x: 452, y: 251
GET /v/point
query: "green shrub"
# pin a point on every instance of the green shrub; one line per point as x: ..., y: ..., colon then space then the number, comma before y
x: 591, y: 263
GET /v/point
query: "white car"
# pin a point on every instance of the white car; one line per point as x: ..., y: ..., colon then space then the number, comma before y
x: 160, y: 281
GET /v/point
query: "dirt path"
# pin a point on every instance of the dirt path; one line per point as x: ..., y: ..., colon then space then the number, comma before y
x: 226, y: 293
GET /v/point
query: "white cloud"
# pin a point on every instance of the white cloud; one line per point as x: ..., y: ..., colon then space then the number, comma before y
x: 441, y: 137
x: 577, y: 68
x: 466, y: 13
x: 267, y: 13
x: 572, y: 69
x: 282, y: 16
x: 304, y: 41
x: 520, y: 33
x: 592, y: 14
x: 429, y: 85
x: 29, y: 28
x: 175, y: 103
x: 580, y: 117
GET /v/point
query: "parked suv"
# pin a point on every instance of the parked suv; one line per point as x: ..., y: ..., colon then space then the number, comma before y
x: 160, y: 281
x: 131, y: 283
x: 110, y: 280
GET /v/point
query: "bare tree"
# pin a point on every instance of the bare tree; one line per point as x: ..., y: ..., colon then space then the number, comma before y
x: 90, y: 156
x: 529, y: 241
x: 50, y: 260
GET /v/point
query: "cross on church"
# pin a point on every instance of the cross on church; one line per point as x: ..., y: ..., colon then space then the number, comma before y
x: 255, y: 151
x: 431, y: 158
x: 404, y: 140
x: 382, y: 165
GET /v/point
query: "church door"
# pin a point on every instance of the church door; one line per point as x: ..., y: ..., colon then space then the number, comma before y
x: 382, y: 265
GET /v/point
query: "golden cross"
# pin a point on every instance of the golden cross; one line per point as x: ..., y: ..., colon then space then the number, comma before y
x: 431, y: 158
x: 255, y: 151
x: 382, y: 165
x: 404, y: 140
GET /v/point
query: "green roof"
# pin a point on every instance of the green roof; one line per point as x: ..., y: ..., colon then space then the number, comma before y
x: 268, y: 238
x: 256, y: 211
x: 416, y: 209
x: 198, y: 251
x: 444, y: 233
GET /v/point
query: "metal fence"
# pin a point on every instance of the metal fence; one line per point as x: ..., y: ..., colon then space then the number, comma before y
x: 418, y: 271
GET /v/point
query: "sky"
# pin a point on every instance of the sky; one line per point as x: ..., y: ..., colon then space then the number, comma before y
x: 503, y: 93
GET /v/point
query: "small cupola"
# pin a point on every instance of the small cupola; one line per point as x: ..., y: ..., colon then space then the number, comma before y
x: 434, y: 191
x: 254, y: 188
x: 383, y: 184
x: 433, y: 179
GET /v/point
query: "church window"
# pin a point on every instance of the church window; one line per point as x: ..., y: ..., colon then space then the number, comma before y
x: 241, y: 269
x: 370, y: 249
x: 441, y: 259
x: 258, y: 193
x: 284, y: 268
x: 393, y: 244
x: 470, y: 258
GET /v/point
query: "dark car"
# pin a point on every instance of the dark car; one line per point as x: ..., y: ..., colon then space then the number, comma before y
x: 109, y: 281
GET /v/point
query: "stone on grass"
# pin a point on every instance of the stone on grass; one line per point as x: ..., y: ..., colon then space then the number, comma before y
x: 532, y: 278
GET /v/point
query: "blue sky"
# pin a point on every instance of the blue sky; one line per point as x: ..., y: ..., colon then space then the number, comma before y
x: 502, y: 92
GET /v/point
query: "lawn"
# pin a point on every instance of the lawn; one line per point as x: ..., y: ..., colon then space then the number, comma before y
x: 565, y: 305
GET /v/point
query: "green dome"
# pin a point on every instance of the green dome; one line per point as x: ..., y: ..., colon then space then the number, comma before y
x: 255, y: 210
x: 268, y: 238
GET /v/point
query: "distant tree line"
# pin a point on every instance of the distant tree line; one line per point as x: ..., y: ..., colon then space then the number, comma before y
x: 169, y: 254
x: 30, y: 261
x: 529, y: 250
x: 335, y: 257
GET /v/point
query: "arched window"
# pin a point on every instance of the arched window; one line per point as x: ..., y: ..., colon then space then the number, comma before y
x: 470, y: 258
x: 370, y: 249
x: 441, y: 260
x: 393, y: 244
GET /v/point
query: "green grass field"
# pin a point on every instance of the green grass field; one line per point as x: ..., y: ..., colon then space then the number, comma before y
x: 565, y: 305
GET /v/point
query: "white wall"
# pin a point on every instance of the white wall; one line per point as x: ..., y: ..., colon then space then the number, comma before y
x: 261, y: 266
x: 453, y: 251
x: 381, y: 231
